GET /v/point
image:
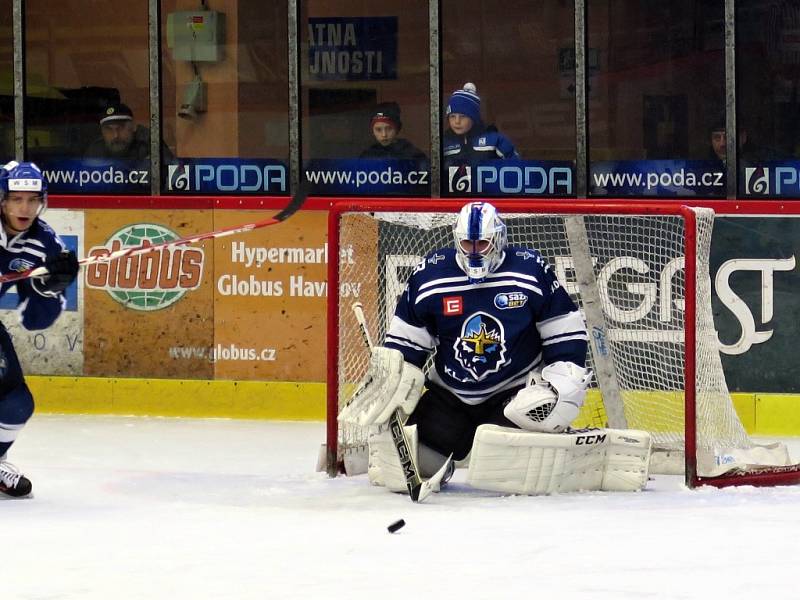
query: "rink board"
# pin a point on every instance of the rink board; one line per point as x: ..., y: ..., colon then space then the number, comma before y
x: 761, y: 414
x: 274, y: 400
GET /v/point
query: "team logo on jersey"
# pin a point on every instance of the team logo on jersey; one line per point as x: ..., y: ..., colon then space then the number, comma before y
x: 481, y: 348
x: 525, y: 254
x: 18, y: 265
x: 436, y: 258
x: 510, y: 300
x: 452, y: 305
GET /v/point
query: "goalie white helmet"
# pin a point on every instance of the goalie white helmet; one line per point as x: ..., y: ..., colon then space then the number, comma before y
x: 480, y: 237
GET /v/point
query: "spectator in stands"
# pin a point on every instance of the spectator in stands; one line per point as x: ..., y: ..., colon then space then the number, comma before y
x: 467, y: 140
x: 385, y: 125
x: 747, y: 150
x: 121, y: 138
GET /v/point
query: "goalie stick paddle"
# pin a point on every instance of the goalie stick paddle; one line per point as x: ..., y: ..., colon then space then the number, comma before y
x: 418, y: 488
x: 291, y: 208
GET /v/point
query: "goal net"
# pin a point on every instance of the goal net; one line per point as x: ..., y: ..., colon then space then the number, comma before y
x: 639, y: 273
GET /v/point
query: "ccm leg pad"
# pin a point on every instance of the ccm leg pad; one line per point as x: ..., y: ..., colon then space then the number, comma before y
x: 513, y: 461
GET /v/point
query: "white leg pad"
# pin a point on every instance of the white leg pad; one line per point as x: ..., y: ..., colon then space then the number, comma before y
x: 513, y: 461
x: 384, y: 465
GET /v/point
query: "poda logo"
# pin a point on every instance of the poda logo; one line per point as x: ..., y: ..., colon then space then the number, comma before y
x: 149, y: 281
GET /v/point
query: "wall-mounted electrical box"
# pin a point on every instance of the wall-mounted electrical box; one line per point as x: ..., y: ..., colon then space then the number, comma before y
x: 196, y: 35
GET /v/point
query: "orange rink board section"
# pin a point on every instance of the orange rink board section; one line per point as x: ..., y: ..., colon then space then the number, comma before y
x: 233, y: 326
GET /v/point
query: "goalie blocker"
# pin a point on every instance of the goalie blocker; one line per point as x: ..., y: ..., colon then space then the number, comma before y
x: 525, y: 462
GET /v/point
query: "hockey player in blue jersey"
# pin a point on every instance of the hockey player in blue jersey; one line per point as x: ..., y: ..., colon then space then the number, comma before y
x: 26, y: 242
x: 510, y: 351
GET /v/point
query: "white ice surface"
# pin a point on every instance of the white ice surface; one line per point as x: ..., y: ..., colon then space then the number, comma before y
x: 195, y: 509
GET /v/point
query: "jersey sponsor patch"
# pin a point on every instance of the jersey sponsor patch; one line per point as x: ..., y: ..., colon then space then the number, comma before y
x: 481, y: 347
x: 18, y: 265
x: 452, y: 306
x: 510, y: 300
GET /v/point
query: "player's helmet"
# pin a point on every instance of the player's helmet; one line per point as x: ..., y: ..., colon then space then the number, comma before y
x: 480, y: 236
x: 23, y: 177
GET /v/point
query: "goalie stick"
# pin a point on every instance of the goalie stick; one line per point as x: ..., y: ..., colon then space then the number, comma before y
x: 296, y: 202
x: 418, y: 488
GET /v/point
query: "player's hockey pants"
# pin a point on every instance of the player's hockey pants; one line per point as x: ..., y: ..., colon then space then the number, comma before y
x: 16, y: 401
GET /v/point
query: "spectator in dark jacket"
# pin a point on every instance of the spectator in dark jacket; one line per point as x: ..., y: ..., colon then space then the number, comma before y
x: 385, y: 125
x: 121, y: 138
x: 467, y: 139
x: 747, y: 151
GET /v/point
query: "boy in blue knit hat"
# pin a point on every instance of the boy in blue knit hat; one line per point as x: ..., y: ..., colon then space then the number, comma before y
x: 468, y: 140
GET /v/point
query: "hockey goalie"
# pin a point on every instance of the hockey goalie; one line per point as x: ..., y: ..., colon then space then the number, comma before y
x: 508, y: 380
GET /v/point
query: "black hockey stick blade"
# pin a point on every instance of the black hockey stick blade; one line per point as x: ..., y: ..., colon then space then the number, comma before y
x: 433, y: 483
x: 297, y: 201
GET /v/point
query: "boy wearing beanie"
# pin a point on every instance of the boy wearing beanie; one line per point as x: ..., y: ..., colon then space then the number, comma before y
x: 385, y: 125
x: 467, y: 139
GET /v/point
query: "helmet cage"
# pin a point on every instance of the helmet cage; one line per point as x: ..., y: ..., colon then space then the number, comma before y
x: 479, y: 222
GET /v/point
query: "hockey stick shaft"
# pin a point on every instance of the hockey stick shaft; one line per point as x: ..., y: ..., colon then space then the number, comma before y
x: 414, y: 482
x: 287, y: 212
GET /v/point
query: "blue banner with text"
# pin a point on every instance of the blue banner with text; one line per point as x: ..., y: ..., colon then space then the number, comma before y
x: 368, y: 177
x: 668, y: 178
x: 94, y: 176
x: 527, y: 178
x: 770, y: 179
x: 352, y: 48
x: 227, y: 175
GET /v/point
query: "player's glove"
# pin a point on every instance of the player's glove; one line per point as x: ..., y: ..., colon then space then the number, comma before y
x: 62, y: 269
x: 551, y: 400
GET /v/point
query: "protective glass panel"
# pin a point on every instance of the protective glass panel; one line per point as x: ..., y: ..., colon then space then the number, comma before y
x: 656, y: 93
x: 515, y: 133
x: 365, y: 97
x: 225, y: 99
x: 85, y: 64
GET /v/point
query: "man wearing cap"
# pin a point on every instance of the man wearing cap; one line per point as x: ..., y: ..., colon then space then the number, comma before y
x: 467, y: 139
x: 385, y: 125
x: 747, y: 151
x: 121, y: 138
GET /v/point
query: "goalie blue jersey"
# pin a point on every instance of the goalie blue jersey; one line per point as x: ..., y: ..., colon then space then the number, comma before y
x: 487, y: 336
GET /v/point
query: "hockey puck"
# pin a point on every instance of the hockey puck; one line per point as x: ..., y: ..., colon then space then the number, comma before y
x: 397, y: 525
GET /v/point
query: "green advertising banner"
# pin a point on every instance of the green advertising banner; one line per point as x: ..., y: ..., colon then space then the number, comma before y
x: 756, y: 300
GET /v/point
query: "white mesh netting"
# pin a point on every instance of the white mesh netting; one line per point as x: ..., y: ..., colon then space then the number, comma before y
x: 637, y: 268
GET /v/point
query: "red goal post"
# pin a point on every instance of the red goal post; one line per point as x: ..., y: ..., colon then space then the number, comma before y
x: 639, y: 272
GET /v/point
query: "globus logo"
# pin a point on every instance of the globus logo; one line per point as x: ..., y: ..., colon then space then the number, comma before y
x: 149, y: 281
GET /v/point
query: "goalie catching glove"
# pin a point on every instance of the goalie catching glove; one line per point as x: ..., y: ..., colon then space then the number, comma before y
x: 552, y: 399
x: 390, y: 383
